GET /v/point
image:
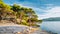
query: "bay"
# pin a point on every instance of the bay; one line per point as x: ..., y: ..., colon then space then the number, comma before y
x: 51, y: 26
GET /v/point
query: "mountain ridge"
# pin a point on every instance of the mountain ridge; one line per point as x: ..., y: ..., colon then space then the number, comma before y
x: 52, y: 19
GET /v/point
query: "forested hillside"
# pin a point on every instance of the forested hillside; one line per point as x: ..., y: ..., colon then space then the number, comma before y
x: 18, y: 14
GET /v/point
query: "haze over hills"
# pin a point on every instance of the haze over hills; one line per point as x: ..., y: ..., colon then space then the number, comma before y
x: 52, y: 19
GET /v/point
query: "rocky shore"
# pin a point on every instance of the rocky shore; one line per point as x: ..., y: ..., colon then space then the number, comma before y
x: 9, y: 28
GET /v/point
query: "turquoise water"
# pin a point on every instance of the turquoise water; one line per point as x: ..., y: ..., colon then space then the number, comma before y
x: 51, y: 26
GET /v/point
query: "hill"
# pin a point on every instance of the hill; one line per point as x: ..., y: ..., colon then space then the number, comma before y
x: 17, y: 14
x: 52, y: 19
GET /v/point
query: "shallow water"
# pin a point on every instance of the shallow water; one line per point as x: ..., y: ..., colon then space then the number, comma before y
x: 51, y: 26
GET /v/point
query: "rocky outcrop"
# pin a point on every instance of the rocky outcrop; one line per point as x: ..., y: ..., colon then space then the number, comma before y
x: 7, y: 27
x: 14, y: 30
x: 11, y: 29
x: 20, y: 30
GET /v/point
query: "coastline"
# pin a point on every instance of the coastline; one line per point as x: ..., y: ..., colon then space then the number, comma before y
x: 24, y: 29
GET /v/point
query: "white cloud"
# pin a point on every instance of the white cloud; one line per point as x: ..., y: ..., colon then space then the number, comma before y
x: 54, y: 12
x: 47, y: 6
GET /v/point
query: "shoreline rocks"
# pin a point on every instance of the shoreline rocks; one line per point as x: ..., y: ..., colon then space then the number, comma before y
x: 10, y: 28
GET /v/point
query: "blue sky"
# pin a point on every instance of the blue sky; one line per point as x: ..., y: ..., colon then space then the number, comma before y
x: 43, y: 8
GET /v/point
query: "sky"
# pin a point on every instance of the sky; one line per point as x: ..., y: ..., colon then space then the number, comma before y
x: 43, y: 8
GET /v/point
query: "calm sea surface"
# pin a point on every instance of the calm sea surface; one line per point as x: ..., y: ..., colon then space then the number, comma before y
x: 51, y: 26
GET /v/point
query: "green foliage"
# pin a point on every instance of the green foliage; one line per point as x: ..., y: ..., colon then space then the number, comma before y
x: 2, y: 4
x: 15, y: 8
x: 20, y: 12
x: 40, y: 21
x: 1, y: 0
x: 24, y: 23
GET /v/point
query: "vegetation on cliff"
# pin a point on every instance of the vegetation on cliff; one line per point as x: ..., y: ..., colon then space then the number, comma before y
x: 18, y: 14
